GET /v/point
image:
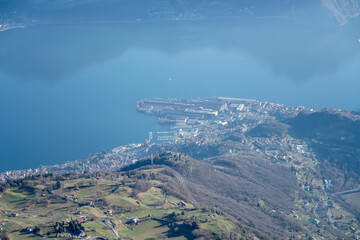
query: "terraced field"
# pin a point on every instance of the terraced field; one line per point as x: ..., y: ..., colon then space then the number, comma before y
x: 105, y: 208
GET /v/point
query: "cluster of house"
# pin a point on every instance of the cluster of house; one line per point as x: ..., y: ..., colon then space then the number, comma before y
x: 15, y: 174
x: 72, y: 198
x: 93, y: 163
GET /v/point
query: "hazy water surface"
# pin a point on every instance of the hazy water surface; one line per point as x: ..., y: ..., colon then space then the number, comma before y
x: 66, y: 91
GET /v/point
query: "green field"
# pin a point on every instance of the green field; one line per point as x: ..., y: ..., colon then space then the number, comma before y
x: 92, y: 199
x: 15, y: 198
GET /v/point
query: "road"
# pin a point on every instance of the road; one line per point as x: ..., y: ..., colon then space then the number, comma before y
x: 315, y: 211
x: 329, y: 212
x: 347, y: 191
x: 112, y: 231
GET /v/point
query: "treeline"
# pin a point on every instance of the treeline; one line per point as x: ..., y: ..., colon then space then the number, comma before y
x: 72, y: 227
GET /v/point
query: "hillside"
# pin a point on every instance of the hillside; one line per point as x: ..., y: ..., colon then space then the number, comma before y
x: 169, y: 195
x: 332, y: 135
x: 269, y: 129
x: 334, y: 138
x: 292, y: 176
x: 246, y: 188
x: 126, y: 205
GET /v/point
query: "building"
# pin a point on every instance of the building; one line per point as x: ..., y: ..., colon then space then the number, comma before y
x: 182, y: 204
x: 134, y: 220
x: 79, y: 220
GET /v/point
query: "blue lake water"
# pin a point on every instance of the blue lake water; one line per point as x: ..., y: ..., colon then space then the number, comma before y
x: 69, y: 90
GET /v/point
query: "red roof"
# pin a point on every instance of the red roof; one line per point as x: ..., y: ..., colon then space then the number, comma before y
x: 80, y: 220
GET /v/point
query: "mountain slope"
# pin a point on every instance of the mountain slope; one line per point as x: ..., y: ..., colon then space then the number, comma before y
x: 235, y: 186
x: 334, y: 137
x: 130, y: 205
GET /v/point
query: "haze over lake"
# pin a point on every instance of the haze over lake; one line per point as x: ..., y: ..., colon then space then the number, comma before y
x: 69, y: 90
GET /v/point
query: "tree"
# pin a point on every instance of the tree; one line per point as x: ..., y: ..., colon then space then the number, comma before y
x: 58, y: 184
x: 37, y: 230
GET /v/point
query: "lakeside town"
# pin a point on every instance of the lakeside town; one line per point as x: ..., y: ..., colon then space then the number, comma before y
x: 188, y: 120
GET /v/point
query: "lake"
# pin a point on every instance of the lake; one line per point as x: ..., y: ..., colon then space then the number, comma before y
x: 69, y: 90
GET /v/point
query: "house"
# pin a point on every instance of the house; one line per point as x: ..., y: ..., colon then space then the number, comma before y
x: 182, y: 204
x: 14, y: 214
x: 316, y: 221
x: 110, y: 212
x: 79, y: 220
x: 81, y: 234
x: 134, y: 220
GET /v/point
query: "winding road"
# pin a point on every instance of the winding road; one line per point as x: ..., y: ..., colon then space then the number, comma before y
x: 329, y: 212
x: 112, y: 231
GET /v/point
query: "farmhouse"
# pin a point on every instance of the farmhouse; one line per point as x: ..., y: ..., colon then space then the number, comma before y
x: 80, y: 220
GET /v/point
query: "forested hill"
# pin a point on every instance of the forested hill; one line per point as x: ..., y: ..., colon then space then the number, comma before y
x: 332, y: 135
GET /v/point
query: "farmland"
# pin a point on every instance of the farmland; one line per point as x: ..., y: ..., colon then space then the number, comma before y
x: 104, y: 206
